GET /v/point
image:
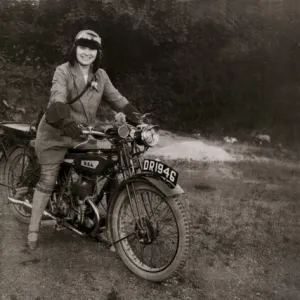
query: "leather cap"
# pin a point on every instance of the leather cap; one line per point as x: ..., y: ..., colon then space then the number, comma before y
x: 89, y: 36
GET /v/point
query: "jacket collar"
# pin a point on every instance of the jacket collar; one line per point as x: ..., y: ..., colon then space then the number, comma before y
x: 78, y: 77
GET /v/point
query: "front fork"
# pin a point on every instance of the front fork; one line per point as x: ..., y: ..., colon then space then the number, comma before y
x: 139, y: 221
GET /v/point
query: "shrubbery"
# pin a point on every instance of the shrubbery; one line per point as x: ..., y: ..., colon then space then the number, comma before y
x: 216, y: 67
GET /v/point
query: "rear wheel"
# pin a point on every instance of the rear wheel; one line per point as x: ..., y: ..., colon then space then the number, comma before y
x: 152, y: 232
x: 21, y: 172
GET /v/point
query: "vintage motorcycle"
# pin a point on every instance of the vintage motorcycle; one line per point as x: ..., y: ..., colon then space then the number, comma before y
x: 116, y: 190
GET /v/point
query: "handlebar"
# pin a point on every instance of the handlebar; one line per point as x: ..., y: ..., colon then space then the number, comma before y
x: 93, y: 132
x: 131, y: 132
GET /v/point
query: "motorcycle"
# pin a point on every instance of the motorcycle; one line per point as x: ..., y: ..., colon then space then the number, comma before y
x: 134, y: 200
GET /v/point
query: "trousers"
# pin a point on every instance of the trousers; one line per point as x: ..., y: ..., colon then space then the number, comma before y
x: 42, y: 193
x: 48, y: 177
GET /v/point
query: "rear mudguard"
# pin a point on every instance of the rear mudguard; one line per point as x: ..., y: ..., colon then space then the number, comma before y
x: 148, y: 178
x: 8, y: 150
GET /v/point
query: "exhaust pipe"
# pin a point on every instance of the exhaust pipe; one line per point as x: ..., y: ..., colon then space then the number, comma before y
x: 70, y: 227
x: 28, y: 205
x: 45, y: 213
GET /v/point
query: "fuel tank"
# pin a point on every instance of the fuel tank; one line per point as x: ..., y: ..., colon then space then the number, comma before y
x: 92, y: 163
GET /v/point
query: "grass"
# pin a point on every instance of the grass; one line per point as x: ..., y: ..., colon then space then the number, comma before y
x: 246, y: 230
x: 246, y: 225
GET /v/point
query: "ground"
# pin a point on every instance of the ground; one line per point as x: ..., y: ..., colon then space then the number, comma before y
x: 245, y: 208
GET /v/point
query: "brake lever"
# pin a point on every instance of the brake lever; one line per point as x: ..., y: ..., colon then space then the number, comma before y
x: 146, y: 115
x: 141, y: 126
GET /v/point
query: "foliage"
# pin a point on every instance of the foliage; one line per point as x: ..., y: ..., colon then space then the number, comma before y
x: 217, y: 66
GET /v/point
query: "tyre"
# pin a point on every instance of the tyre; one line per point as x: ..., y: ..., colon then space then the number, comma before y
x: 151, y: 232
x: 22, y: 172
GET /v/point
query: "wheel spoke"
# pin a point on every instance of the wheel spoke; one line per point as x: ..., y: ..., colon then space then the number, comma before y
x: 173, y: 240
x: 168, y: 211
x: 164, y: 226
x: 154, y: 211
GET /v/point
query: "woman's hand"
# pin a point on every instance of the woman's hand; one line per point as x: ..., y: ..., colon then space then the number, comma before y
x: 120, y: 119
x: 70, y: 128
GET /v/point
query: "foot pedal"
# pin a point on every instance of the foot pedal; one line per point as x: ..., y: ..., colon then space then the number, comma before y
x: 59, y: 227
x: 48, y: 223
x: 102, y: 238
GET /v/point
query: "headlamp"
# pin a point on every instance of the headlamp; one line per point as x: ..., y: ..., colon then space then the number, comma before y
x: 150, y: 136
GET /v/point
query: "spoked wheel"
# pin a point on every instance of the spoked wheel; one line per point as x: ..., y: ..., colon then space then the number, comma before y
x: 21, y: 172
x: 152, y: 232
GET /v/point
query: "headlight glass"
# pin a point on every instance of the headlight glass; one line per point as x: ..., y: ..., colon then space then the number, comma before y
x: 123, y: 131
x: 150, y: 137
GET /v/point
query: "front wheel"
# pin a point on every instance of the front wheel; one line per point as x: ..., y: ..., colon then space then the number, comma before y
x: 151, y: 232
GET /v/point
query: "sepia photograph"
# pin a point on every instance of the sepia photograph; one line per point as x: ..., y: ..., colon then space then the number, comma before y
x: 150, y: 149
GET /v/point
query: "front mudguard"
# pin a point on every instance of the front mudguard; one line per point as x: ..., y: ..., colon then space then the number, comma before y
x: 148, y: 178
x: 153, y: 180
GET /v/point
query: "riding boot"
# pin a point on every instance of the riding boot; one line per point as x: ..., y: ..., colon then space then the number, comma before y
x: 39, y: 204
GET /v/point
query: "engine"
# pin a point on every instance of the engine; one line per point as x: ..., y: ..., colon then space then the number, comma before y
x: 74, y: 206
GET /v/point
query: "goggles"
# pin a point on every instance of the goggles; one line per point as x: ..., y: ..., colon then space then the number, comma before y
x: 88, y: 43
x: 88, y: 38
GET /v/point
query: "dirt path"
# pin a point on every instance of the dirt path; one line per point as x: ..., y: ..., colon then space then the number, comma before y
x: 172, y: 146
x: 67, y: 266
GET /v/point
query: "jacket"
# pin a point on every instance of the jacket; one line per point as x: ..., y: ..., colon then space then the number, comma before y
x: 68, y: 82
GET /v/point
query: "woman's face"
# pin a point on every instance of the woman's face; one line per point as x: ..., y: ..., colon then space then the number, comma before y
x: 85, y: 56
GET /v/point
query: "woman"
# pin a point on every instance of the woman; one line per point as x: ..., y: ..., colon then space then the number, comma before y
x: 78, y: 85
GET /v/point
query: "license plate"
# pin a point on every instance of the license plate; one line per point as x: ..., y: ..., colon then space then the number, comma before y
x: 161, y: 169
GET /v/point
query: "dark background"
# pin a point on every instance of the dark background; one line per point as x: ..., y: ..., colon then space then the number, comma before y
x: 217, y: 67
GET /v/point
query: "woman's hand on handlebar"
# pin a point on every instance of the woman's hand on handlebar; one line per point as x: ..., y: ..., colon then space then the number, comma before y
x: 70, y: 128
x: 122, y: 119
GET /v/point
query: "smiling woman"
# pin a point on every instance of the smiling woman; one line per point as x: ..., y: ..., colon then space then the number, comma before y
x: 78, y: 87
x: 86, y: 50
